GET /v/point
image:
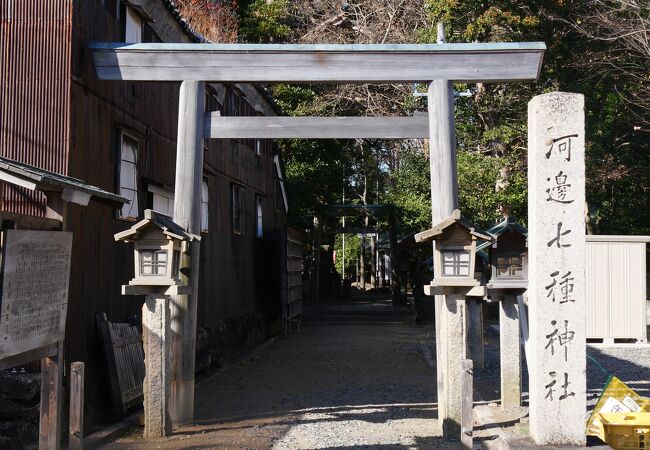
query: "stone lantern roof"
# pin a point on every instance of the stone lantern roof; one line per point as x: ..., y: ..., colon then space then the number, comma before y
x: 161, y: 221
x: 455, y: 218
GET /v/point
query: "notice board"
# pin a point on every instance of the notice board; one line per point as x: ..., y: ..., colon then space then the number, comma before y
x: 35, y: 279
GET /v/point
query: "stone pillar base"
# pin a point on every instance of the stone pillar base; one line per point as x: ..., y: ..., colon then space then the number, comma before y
x: 510, y: 348
x: 452, y: 333
x: 157, y: 381
x: 475, y: 332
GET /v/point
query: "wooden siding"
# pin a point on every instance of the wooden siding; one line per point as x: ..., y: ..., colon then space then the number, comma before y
x: 99, y: 111
x: 294, y: 277
x: 237, y: 277
x: 34, y: 92
x: 240, y: 274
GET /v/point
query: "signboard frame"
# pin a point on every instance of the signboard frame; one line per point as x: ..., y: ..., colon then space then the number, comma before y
x: 50, y: 355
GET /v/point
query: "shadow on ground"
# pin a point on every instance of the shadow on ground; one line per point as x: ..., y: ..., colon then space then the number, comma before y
x: 337, y: 384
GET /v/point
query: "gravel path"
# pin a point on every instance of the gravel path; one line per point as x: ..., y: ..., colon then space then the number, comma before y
x: 353, y: 386
x: 333, y: 386
x: 630, y: 363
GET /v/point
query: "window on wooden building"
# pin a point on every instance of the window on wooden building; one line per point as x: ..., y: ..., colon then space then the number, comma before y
x: 236, y: 208
x: 163, y: 200
x: 280, y: 194
x: 260, y: 216
x: 128, y: 176
x: 204, y: 207
x: 133, y: 27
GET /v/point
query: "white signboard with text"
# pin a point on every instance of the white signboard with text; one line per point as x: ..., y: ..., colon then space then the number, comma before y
x: 35, y: 279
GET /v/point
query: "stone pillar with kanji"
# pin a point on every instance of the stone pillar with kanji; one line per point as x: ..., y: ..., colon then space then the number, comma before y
x: 556, y: 290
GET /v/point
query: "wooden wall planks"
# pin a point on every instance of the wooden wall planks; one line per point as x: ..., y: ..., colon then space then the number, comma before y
x: 230, y: 279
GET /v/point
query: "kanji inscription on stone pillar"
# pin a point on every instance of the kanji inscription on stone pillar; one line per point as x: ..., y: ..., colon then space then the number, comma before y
x: 556, y: 290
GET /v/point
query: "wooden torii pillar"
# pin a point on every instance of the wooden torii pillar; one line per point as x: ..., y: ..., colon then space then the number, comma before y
x: 269, y: 63
x: 187, y: 213
x: 451, y: 324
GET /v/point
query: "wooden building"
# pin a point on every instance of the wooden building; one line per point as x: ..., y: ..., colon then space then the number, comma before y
x: 58, y: 116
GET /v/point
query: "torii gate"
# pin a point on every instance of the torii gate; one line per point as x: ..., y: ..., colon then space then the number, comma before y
x: 194, y: 64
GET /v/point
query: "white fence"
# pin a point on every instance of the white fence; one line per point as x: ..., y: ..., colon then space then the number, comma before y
x: 616, y: 288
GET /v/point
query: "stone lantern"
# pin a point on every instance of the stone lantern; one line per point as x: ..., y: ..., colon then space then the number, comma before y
x: 158, y: 244
x: 454, y: 259
x: 459, y: 299
x: 508, y: 254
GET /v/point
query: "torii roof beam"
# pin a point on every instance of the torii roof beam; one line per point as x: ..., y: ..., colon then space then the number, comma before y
x: 277, y: 127
x: 264, y: 63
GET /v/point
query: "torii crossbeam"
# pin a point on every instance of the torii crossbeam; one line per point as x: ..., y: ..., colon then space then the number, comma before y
x: 264, y: 63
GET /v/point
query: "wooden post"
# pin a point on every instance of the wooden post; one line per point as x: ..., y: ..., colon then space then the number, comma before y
x: 467, y: 423
x: 444, y: 199
x: 373, y: 261
x: 50, y: 409
x: 394, y: 261
x: 315, y: 276
x: 76, y: 428
x: 362, y: 264
x: 187, y: 213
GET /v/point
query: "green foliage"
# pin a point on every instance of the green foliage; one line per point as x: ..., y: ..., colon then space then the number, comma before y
x: 352, y: 252
x: 478, y: 197
x: 314, y: 172
x: 296, y: 100
x: 264, y: 22
x: 410, y: 192
x: 480, y: 21
x: 491, y: 119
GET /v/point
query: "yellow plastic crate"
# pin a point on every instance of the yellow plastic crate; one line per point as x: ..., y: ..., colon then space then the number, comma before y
x: 626, y: 431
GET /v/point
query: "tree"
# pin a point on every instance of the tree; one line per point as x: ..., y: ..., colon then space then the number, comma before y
x: 595, y: 47
x: 217, y: 20
x: 352, y: 252
x: 619, y: 34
